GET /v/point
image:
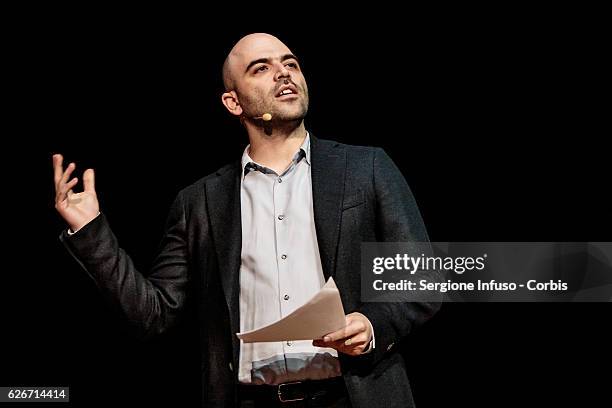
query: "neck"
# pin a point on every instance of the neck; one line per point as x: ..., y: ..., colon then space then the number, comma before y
x: 275, y: 147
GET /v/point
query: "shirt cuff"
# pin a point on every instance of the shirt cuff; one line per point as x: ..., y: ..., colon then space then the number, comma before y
x: 70, y: 232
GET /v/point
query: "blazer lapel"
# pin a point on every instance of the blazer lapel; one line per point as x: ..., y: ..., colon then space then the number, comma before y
x: 223, y: 200
x: 328, y: 172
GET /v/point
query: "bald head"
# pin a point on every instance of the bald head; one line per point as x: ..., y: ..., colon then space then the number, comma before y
x: 243, y: 52
x: 261, y: 75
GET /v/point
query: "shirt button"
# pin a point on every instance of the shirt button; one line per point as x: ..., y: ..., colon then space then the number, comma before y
x: 286, y: 297
x: 283, y: 256
x: 289, y: 343
x: 280, y: 180
x: 281, y: 217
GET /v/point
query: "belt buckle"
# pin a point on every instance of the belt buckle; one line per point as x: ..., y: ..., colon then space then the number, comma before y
x: 280, y: 393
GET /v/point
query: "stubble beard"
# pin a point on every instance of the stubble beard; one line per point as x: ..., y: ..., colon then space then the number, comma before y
x: 259, y: 104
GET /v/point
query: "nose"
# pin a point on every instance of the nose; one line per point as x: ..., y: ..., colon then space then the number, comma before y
x: 282, y: 72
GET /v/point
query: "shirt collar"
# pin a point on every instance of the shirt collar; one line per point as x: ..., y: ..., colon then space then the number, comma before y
x: 304, y: 152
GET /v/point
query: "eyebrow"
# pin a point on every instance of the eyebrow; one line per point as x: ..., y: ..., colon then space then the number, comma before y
x: 267, y: 60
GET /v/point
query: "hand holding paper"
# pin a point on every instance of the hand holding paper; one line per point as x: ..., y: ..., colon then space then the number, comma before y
x: 321, y: 315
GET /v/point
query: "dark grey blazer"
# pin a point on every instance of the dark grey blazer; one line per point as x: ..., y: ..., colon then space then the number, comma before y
x: 359, y: 195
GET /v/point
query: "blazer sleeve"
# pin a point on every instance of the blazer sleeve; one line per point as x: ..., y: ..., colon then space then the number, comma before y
x: 397, y: 220
x: 150, y: 304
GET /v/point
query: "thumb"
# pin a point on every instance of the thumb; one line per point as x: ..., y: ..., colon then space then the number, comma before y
x: 89, y: 183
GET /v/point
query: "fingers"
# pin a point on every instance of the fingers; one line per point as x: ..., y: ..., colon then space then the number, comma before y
x: 57, y: 168
x: 351, y: 339
x: 67, y: 173
x: 89, y: 180
x: 61, y: 188
x: 60, y: 177
x: 357, y: 340
x: 352, y: 328
x: 353, y: 346
x: 62, y: 193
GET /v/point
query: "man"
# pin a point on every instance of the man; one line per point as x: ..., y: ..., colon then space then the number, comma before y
x: 259, y: 237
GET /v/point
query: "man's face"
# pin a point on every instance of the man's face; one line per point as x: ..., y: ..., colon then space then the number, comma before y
x: 268, y: 79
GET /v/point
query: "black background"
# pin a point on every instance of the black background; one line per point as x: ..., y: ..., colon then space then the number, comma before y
x: 495, y: 119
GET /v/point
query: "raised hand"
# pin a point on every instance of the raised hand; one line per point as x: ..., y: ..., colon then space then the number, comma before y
x: 77, y: 209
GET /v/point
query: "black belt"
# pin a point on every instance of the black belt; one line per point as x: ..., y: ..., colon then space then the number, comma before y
x: 294, y: 391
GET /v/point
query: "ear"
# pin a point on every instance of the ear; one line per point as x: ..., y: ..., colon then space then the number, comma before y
x: 230, y: 100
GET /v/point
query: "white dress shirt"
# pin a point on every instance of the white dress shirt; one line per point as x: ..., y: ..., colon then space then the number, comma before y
x: 280, y: 270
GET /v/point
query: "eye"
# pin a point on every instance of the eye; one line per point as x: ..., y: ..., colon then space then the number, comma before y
x: 261, y: 68
x: 292, y: 65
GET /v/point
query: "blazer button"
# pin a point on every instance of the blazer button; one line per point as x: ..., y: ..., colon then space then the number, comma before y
x: 390, y: 346
x: 231, y: 367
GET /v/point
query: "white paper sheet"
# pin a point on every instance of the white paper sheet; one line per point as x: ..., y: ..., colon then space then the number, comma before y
x: 321, y: 315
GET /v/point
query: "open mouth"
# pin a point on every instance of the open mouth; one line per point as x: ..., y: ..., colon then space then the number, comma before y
x: 286, y: 90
